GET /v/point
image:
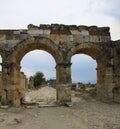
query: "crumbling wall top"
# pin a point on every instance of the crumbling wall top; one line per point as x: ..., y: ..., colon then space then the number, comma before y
x: 58, y: 33
x: 66, y: 29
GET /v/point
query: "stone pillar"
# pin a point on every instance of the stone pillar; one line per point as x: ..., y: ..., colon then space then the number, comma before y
x: 31, y: 82
x: 109, y: 84
x: 5, y: 81
x: 10, y: 83
x: 22, y: 82
x: 15, y: 84
x: 105, y: 84
x: 100, y: 83
x: 63, y: 83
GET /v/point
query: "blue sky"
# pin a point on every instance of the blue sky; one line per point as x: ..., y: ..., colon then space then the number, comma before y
x: 39, y: 60
x: 17, y: 14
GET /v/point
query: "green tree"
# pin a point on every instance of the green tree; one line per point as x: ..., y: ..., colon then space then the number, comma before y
x: 38, y: 79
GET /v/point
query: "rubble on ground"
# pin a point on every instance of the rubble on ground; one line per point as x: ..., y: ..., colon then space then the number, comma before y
x: 46, y: 95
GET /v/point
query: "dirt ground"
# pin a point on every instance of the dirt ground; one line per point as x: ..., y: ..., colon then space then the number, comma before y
x: 85, y: 113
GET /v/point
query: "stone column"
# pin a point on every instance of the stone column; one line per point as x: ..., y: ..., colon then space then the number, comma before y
x: 22, y: 82
x: 31, y: 82
x: 63, y: 81
x: 5, y: 81
x: 18, y: 88
x: 10, y: 83
x: 100, y: 83
x: 105, y: 84
x: 109, y: 84
x: 108, y: 75
x: 115, y: 60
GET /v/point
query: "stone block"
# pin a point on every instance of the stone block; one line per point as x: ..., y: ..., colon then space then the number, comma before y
x: 63, y: 93
x: 2, y: 37
x: 39, y: 32
x: 75, y: 32
x: 94, y: 38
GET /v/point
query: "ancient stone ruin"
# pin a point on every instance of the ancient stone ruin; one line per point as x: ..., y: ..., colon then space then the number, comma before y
x: 62, y: 42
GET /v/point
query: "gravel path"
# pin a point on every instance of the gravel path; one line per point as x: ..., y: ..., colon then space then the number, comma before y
x: 84, y: 114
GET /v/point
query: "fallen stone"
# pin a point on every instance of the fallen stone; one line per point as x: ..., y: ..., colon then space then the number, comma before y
x: 68, y: 104
x: 28, y: 107
x: 29, y: 103
x: 4, y: 106
x: 47, y: 105
x: 17, y: 120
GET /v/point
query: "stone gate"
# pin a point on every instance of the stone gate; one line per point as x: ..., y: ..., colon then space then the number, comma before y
x: 62, y: 42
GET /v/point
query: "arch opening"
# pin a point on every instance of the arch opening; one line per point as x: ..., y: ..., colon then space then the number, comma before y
x: 84, y: 70
x: 39, y: 61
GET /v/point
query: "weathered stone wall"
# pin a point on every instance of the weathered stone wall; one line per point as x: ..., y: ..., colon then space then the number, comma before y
x: 62, y: 42
x: 57, y: 33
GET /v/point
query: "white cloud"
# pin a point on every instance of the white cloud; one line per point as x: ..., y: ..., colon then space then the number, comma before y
x: 27, y: 72
x: 87, y: 12
x: 50, y: 74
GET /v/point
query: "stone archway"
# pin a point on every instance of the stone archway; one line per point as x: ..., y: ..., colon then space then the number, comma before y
x: 62, y: 42
x: 94, y: 51
x: 15, y: 58
x: 33, y: 43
